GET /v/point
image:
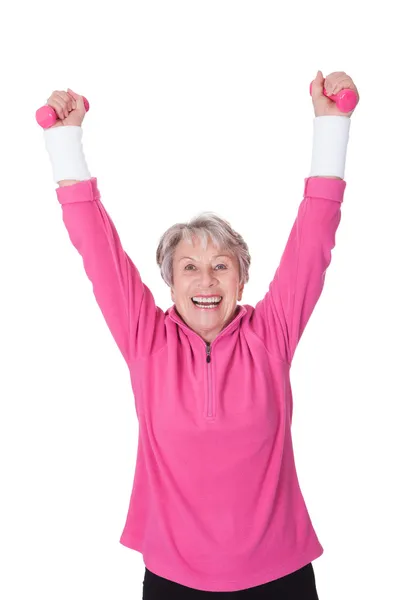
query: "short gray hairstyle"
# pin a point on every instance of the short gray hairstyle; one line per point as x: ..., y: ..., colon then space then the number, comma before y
x: 205, y: 226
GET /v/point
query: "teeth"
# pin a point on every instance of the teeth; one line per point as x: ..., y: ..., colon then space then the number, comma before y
x: 205, y: 305
x: 213, y: 300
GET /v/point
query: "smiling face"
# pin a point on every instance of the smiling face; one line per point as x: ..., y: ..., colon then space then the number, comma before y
x: 206, y: 287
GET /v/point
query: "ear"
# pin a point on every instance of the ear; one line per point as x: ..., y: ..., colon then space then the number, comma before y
x: 240, y: 293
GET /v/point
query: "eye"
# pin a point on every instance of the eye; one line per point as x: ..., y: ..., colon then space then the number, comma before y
x: 221, y: 265
x: 187, y: 267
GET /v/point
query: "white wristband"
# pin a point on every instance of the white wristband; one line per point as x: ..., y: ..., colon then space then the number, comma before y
x: 64, y: 145
x: 331, y: 135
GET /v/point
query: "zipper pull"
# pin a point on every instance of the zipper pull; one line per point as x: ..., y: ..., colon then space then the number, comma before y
x: 208, y: 350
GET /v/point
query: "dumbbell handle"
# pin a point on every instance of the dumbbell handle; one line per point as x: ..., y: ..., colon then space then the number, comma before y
x: 346, y: 100
x: 46, y: 116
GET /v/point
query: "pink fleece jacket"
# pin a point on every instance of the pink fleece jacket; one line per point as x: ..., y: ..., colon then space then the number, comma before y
x: 216, y: 503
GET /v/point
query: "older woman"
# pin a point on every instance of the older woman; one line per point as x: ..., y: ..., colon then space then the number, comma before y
x: 216, y: 504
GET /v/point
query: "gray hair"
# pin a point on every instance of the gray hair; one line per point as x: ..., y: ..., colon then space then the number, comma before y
x: 204, y: 226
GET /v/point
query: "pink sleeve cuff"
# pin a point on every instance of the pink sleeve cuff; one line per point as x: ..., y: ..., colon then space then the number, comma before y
x: 323, y: 187
x: 83, y: 191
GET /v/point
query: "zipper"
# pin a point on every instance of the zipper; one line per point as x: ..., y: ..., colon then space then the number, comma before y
x: 209, y: 382
x: 178, y: 320
x: 208, y: 352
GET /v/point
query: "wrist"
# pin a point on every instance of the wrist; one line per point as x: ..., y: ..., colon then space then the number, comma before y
x: 65, y: 182
x: 64, y: 145
x: 329, y: 149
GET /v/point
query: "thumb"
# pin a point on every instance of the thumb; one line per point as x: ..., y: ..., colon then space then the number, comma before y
x: 80, y: 106
x: 317, y: 90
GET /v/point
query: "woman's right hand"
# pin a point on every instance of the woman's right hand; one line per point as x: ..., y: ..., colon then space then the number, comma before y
x: 69, y: 107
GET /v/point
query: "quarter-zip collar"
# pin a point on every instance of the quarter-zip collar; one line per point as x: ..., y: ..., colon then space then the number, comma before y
x: 174, y: 316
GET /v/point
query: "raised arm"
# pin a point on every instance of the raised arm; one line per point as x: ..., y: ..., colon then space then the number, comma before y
x: 281, y: 316
x: 128, y: 306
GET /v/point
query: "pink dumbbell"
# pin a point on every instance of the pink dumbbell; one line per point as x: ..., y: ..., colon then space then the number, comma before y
x: 346, y: 100
x: 46, y: 116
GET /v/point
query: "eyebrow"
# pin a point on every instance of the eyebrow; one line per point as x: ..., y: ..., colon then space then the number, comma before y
x: 215, y: 256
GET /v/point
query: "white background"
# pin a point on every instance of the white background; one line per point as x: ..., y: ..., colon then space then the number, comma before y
x: 194, y: 106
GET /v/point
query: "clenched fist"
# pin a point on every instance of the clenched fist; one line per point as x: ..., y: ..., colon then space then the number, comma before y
x: 69, y: 107
x: 333, y: 84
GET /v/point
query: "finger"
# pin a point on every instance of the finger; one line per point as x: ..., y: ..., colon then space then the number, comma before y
x: 61, y: 104
x: 335, y: 75
x: 333, y: 79
x: 72, y: 93
x: 66, y: 100
x: 70, y: 101
x: 74, y: 96
x: 58, y: 107
x: 341, y: 84
x: 317, y: 86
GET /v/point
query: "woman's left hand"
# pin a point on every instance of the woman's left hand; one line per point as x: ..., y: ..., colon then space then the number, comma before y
x: 333, y: 84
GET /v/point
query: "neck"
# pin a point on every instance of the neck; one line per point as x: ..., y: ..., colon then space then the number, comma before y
x: 208, y: 336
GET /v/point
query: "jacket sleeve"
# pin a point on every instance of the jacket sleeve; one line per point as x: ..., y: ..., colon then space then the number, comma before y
x: 280, y: 317
x: 135, y: 322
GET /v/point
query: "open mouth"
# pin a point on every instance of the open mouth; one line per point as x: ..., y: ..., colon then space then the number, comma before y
x: 207, y: 303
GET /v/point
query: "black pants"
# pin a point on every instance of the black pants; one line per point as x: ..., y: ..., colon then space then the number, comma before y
x: 299, y: 585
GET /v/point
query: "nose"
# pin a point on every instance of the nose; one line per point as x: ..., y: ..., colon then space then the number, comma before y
x: 207, y: 278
